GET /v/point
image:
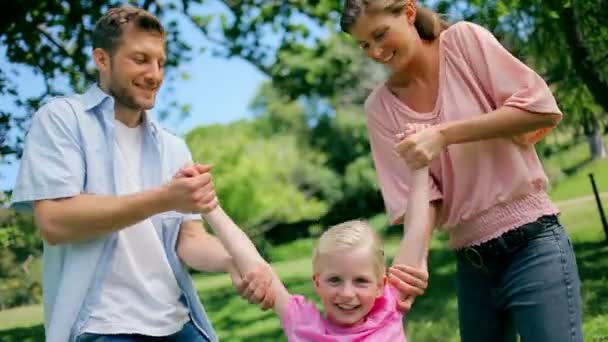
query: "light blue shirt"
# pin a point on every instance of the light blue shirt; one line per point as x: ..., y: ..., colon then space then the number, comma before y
x: 68, y: 151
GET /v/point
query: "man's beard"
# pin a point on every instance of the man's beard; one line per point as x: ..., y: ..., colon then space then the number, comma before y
x: 124, y: 97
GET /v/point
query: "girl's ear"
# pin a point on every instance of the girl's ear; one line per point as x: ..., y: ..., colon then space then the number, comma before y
x: 381, y: 286
x: 315, y: 280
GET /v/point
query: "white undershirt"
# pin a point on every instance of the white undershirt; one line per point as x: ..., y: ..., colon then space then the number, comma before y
x: 140, y: 294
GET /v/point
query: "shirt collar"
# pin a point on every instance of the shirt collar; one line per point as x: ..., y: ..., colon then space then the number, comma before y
x: 95, y: 97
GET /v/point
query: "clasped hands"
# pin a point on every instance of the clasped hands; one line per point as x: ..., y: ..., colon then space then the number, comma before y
x: 194, y: 191
x: 419, y: 144
x: 195, y: 182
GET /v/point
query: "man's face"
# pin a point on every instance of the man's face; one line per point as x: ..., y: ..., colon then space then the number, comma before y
x: 135, y: 70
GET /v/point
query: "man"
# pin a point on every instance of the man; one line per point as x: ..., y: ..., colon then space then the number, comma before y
x: 97, y: 172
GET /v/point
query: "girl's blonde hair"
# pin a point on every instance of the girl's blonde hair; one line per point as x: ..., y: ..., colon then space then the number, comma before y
x: 428, y: 23
x: 347, y: 236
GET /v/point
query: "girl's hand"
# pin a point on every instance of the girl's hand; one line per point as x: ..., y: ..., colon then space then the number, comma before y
x: 419, y: 144
x: 256, y: 286
x: 410, y: 282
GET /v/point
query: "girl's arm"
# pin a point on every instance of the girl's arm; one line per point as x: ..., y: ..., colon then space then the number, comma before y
x: 413, y: 248
x: 244, y: 254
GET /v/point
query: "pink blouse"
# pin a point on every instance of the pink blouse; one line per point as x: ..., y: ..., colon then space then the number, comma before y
x: 486, y: 187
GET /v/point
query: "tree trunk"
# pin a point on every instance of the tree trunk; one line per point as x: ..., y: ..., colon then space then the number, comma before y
x: 597, y: 145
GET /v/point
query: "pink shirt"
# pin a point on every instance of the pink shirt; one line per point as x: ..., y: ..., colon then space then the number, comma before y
x: 486, y: 187
x: 302, y: 322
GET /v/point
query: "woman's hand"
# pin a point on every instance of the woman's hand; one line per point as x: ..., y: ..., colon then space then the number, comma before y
x: 419, y: 144
x: 410, y: 282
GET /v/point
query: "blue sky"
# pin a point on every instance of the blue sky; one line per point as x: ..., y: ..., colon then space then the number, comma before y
x: 218, y: 89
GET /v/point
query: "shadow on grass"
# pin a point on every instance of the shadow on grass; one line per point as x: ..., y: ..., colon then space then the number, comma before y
x: 592, y: 260
x: 569, y: 171
x: 29, y: 334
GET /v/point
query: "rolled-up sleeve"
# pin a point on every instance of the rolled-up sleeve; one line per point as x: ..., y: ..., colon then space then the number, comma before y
x: 53, y: 163
x: 507, y: 80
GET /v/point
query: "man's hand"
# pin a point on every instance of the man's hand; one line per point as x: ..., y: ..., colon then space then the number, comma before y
x: 191, y: 190
x: 256, y: 286
x: 410, y: 282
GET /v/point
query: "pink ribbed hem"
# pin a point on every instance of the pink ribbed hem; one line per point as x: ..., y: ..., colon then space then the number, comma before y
x: 502, y: 218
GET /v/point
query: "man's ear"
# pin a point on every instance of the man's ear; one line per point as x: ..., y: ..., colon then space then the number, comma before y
x: 102, y: 59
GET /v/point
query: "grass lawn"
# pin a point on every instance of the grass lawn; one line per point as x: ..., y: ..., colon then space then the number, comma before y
x: 579, y: 184
x: 433, y: 318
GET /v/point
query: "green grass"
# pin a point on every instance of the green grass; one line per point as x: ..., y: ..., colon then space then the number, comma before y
x: 24, y: 316
x: 571, y: 158
x: 579, y: 183
x: 434, y: 317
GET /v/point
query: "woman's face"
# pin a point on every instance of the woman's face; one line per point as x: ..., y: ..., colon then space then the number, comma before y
x: 389, y: 39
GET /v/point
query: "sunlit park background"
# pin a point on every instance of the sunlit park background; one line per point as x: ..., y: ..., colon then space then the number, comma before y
x: 271, y: 93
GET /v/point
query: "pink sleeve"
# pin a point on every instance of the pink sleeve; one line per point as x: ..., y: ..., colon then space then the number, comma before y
x: 392, y: 172
x: 299, y: 310
x: 505, y: 79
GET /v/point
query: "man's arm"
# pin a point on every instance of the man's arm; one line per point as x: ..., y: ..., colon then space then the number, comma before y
x: 201, y: 250
x: 85, y: 216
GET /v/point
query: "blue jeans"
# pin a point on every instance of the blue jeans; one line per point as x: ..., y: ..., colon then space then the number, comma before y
x: 532, y: 289
x: 188, y: 333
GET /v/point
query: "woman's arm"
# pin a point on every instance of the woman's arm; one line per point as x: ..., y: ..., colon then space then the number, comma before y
x: 506, y: 122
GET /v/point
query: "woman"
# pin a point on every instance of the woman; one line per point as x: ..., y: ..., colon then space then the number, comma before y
x: 485, y: 109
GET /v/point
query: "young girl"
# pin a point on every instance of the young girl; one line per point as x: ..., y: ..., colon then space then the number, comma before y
x: 516, y: 270
x: 349, y: 276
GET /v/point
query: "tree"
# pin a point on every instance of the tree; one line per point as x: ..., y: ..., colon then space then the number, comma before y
x: 263, y: 181
x: 565, y: 42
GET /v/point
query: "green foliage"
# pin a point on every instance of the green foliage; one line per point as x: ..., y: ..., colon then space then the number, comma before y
x: 591, y: 16
x: 52, y: 40
x: 562, y: 40
x: 262, y: 181
x: 19, y: 267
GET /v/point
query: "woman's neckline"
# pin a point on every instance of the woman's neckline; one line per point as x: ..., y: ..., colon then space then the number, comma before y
x: 436, y: 108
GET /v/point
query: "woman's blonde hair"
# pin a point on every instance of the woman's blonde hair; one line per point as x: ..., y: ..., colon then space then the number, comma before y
x: 347, y: 236
x: 428, y: 23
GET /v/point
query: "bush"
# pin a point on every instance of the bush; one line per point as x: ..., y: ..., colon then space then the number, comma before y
x: 19, y: 262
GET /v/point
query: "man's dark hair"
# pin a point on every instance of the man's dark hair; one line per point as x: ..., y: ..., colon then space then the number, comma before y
x: 110, y: 27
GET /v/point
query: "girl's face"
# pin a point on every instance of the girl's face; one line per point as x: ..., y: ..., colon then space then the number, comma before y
x: 348, y: 284
x: 389, y: 39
